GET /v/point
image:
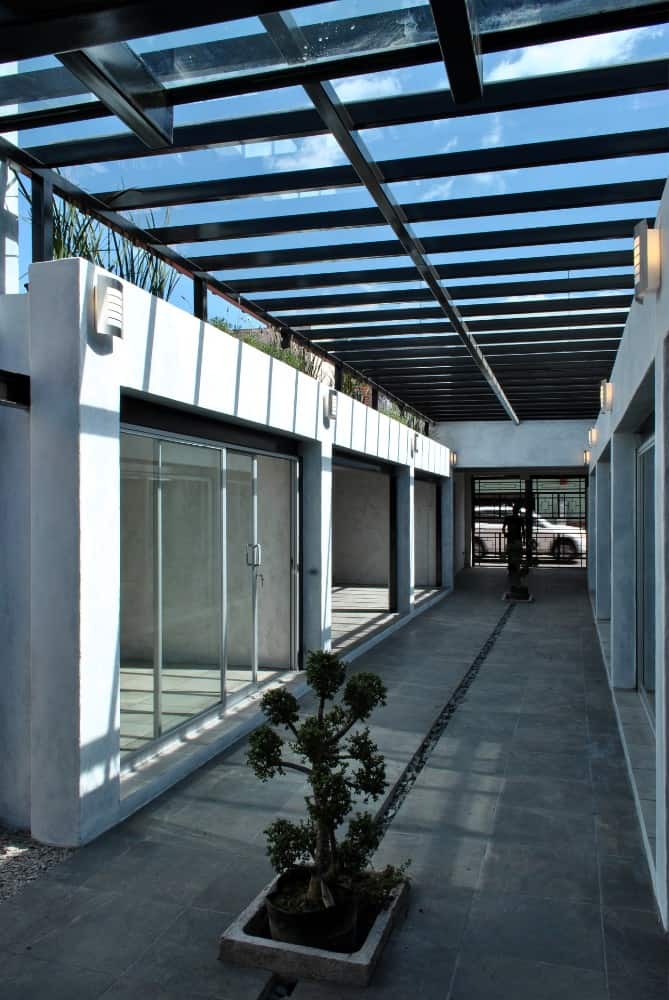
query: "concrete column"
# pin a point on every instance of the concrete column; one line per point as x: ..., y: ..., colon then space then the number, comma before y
x: 592, y: 532
x: 75, y: 591
x: 447, y: 533
x: 404, y: 518
x: 623, y: 561
x: 316, y: 545
x: 603, y: 542
x: 662, y: 629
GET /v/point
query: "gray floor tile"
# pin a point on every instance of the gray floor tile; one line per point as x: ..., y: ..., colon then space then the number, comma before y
x: 546, y: 872
x: 548, y: 793
x: 540, y: 764
x: 23, y: 977
x: 635, y: 936
x: 538, y: 930
x: 494, y: 977
x: 626, y: 883
x: 184, y: 959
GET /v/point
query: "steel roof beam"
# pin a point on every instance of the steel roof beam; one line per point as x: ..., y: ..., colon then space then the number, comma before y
x: 353, y: 334
x: 335, y: 117
x: 126, y: 86
x: 458, y: 34
x: 472, y: 269
x: 533, y: 154
x: 432, y: 211
x: 618, y: 229
x: 545, y: 287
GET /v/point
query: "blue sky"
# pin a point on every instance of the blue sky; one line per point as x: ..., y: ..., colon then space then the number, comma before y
x: 483, y: 131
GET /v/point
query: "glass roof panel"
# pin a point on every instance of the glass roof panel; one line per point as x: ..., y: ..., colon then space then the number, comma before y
x: 500, y: 15
x: 38, y: 84
x: 326, y: 31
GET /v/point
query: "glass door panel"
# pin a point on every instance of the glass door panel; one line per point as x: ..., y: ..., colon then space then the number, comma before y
x: 139, y: 643
x: 646, y: 575
x: 275, y: 574
x: 191, y: 579
x: 241, y: 506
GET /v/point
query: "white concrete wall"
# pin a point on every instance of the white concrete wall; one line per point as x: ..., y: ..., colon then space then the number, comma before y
x: 640, y: 380
x: 77, y: 381
x: 360, y: 528
x: 500, y: 444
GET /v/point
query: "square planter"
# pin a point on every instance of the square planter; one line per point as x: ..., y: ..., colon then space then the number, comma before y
x: 244, y: 943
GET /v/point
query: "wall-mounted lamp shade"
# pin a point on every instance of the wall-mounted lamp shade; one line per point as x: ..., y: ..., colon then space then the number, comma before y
x: 593, y: 434
x: 454, y: 458
x: 332, y: 401
x: 109, y: 306
x: 647, y: 273
x: 586, y: 457
x: 606, y: 396
x: 416, y: 443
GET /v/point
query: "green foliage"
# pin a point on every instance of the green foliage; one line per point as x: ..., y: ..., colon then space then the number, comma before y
x: 341, y: 763
x: 325, y: 673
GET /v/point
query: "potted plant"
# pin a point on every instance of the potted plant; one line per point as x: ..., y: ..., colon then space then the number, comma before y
x: 325, y: 888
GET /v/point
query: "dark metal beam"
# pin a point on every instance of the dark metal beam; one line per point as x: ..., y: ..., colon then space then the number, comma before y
x: 32, y: 28
x: 41, y: 217
x: 338, y: 335
x: 545, y: 287
x: 528, y: 236
x: 200, y: 292
x: 430, y: 211
x: 472, y: 269
x: 535, y: 154
x: 284, y: 33
x: 458, y: 34
x: 412, y: 312
x: 126, y: 86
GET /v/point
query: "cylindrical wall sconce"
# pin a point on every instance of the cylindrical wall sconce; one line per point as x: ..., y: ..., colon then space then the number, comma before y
x: 593, y: 434
x: 586, y: 457
x: 454, y: 458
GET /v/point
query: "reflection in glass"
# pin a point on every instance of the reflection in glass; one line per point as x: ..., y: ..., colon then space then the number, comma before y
x: 239, y: 574
x: 191, y: 581
x: 139, y: 474
x: 646, y: 576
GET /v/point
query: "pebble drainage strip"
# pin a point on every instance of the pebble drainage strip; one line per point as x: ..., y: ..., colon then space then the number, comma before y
x: 279, y: 989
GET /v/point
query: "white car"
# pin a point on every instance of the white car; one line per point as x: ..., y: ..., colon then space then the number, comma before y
x: 562, y: 542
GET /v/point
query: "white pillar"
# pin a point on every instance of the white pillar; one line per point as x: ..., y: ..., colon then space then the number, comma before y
x: 662, y: 629
x: 404, y: 531
x: 75, y: 590
x: 316, y: 574
x: 603, y: 542
x: 446, y: 513
x: 623, y: 561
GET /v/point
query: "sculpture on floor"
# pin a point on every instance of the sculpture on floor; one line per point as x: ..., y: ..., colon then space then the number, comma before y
x: 515, y: 534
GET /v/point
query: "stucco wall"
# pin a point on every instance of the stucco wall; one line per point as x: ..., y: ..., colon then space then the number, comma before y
x: 360, y: 528
x: 500, y: 444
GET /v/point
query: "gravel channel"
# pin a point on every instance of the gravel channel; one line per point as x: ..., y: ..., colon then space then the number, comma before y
x: 22, y: 860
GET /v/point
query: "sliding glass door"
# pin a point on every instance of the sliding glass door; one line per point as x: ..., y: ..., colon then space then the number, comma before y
x: 208, y: 579
x: 646, y: 573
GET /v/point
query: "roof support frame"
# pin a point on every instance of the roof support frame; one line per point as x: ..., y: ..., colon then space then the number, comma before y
x: 335, y: 117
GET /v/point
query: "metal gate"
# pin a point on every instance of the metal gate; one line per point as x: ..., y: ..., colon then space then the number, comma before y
x: 554, y: 510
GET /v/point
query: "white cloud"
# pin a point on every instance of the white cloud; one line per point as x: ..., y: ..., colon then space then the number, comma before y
x: 310, y: 153
x: 440, y: 190
x: 493, y: 137
x: 562, y: 57
x: 366, y: 88
x: 450, y: 145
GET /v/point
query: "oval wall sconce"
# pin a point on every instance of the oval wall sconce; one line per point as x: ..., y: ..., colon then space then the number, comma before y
x: 606, y: 396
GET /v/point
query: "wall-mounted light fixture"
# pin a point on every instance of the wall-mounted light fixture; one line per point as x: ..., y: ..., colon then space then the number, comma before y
x: 454, y: 458
x: 586, y: 457
x: 647, y: 254
x: 593, y: 434
x: 109, y: 306
x: 606, y: 396
x: 416, y: 443
x: 331, y: 403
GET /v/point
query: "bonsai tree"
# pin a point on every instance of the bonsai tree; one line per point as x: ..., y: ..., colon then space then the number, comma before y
x: 341, y: 763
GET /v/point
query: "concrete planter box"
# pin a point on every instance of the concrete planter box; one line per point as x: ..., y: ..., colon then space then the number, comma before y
x: 243, y: 944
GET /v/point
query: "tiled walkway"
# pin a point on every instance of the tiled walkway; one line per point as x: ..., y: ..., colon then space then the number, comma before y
x: 529, y: 881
